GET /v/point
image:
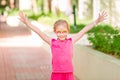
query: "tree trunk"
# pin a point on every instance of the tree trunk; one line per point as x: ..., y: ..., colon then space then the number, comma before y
x: 49, y: 5
x: 12, y: 4
x: 34, y: 5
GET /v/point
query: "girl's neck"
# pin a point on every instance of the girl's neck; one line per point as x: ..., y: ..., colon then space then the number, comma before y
x: 62, y: 40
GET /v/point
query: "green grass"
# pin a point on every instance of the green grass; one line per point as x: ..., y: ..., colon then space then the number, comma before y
x: 50, y: 19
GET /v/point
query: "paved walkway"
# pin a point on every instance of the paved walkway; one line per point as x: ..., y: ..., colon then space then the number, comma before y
x: 22, y: 55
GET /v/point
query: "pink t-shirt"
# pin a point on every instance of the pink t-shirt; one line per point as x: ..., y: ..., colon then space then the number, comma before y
x: 62, y: 53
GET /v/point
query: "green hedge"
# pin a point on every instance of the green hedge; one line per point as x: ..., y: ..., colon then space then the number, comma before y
x: 77, y: 29
x: 105, y: 38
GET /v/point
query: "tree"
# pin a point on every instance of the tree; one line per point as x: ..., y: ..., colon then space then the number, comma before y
x: 49, y: 5
x: 12, y: 4
x: 34, y: 5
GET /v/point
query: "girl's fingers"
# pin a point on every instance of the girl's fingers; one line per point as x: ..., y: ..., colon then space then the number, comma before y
x: 22, y: 17
x: 21, y: 14
x: 103, y: 14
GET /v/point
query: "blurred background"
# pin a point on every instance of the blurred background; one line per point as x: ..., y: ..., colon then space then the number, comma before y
x: 44, y: 10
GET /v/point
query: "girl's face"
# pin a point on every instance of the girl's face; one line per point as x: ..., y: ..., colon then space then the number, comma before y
x: 61, y: 32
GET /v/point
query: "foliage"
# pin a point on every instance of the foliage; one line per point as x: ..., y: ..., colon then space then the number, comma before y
x: 105, y: 38
x: 78, y: 28
x: 49, y: 19
x: 12, y: 12
x: 2, y: 7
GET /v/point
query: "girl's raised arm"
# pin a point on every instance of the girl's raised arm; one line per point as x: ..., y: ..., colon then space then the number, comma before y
x: 102, y: 17
x: 23, y: 18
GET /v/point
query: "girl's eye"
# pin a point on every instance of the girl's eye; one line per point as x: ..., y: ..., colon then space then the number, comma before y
x: 58, y: 32
x: 61, y: 31
x: 64, y: 32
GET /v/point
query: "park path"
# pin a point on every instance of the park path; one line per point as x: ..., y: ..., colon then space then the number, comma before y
x: 22, y: 55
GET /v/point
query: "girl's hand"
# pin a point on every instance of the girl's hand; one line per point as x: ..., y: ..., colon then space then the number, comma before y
x: 102, y: 16
x: 23, y: 17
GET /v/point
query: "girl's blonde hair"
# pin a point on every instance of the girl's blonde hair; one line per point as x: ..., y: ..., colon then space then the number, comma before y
x: 61, y: 22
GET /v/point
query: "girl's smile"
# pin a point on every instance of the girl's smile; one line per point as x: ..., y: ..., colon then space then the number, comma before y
x: 61, y: 32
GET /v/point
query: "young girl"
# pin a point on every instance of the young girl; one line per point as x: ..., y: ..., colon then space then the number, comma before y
x: 62, y: 47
